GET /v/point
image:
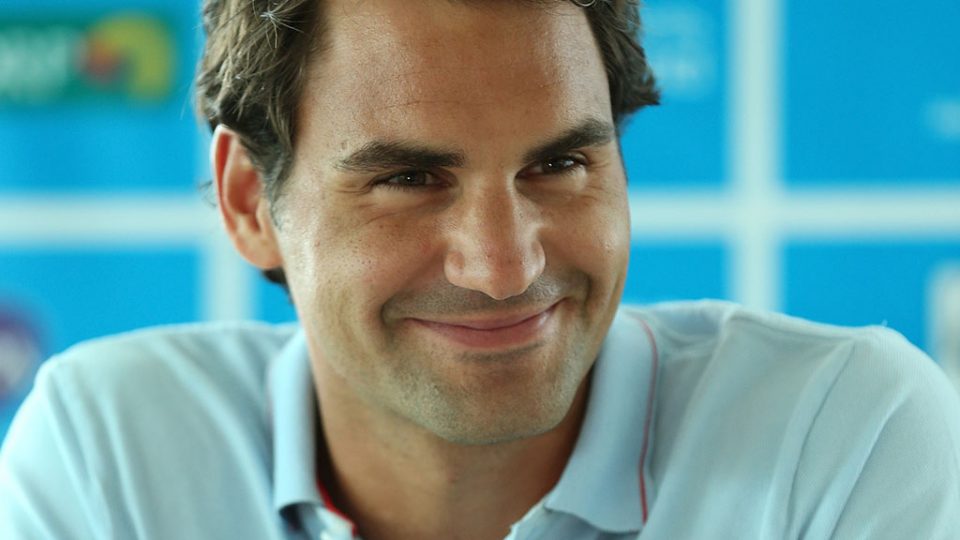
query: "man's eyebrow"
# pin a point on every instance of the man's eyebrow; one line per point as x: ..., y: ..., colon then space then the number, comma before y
x: 590, y: 132
x: 380, y: 155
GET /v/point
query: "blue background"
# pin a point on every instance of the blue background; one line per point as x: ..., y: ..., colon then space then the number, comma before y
x: 861, y: 77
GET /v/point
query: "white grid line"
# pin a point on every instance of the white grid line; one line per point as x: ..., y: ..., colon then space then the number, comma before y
x: 753, y: 148
x: 228, y: 288
x: 44, y: 222
x: 30, y: 221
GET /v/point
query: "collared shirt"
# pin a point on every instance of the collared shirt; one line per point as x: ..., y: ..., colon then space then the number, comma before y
x: 704, y: 420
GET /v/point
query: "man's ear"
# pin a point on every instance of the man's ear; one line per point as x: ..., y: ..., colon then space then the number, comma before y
x: 243, y: 202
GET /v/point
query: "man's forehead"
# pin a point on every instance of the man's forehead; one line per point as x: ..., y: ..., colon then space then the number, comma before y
x: 398, y: 38
x: 450, y: 74
x: 428, y: 12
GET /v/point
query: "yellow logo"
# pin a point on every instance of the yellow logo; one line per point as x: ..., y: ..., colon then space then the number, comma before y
x: 132, y: 50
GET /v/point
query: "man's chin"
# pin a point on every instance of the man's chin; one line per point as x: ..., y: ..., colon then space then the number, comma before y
x: 518, y: 406
x: 500, y: 430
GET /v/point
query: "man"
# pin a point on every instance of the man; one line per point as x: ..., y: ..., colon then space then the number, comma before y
x: 439, y: 185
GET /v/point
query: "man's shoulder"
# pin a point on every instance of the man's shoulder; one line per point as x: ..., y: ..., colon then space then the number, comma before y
x: 184, y: 339
x: 715, y: 353
x: 800, y: 413
x: 711, y: 328
x: 235, y: 342
x: 127, y: 424
x: 199, y: 359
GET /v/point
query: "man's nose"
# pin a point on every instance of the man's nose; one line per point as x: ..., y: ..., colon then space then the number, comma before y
x: 494, y: 243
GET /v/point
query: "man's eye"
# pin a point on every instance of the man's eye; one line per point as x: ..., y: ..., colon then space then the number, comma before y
x: 554, y: 166
x: 408, y: 180
x: 559, y: 164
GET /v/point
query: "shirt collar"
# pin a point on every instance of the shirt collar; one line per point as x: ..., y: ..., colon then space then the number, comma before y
x: 602, y: 481
x: 293, y: 420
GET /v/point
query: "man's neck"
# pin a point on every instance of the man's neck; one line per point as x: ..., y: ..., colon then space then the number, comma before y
x: 398, y: 482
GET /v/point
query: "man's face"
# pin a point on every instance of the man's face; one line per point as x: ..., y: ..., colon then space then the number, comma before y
x: 455, y: 229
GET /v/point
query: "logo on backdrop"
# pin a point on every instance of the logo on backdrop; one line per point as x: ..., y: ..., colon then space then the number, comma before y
x: 20, y: 354
x: 943, y: 118
x: 681, y: 41
x: 124, y: 56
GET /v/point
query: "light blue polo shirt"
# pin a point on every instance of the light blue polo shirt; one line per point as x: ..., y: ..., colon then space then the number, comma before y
x: 704, y: 420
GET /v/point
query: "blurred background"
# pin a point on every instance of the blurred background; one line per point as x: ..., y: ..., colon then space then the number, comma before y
x: 806, y: 158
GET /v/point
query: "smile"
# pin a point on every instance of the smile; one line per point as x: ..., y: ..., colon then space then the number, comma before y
x: 494, y: 332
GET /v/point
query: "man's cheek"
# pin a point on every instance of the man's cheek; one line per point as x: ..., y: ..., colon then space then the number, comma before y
x: 595, y: 238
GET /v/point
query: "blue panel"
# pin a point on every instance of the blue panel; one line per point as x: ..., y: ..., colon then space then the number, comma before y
x: 682, y: 142
x: 272, y: 302
x: 74, y: 152
x: 865, y: 283
x: 84, y: 140
x: 676, y: 271
x: 78, y: 294
x: 872, y: 91
x: 50, y: 300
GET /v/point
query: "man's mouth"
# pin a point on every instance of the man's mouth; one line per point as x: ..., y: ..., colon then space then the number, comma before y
x: 492, y: 331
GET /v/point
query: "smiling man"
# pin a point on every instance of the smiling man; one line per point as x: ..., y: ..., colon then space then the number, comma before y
x: 439, y: 186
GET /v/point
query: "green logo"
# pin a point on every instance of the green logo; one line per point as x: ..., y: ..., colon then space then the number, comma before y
x: 123, y: 56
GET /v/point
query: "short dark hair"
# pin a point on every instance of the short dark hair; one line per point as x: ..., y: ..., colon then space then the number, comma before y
x: 254, y: 62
